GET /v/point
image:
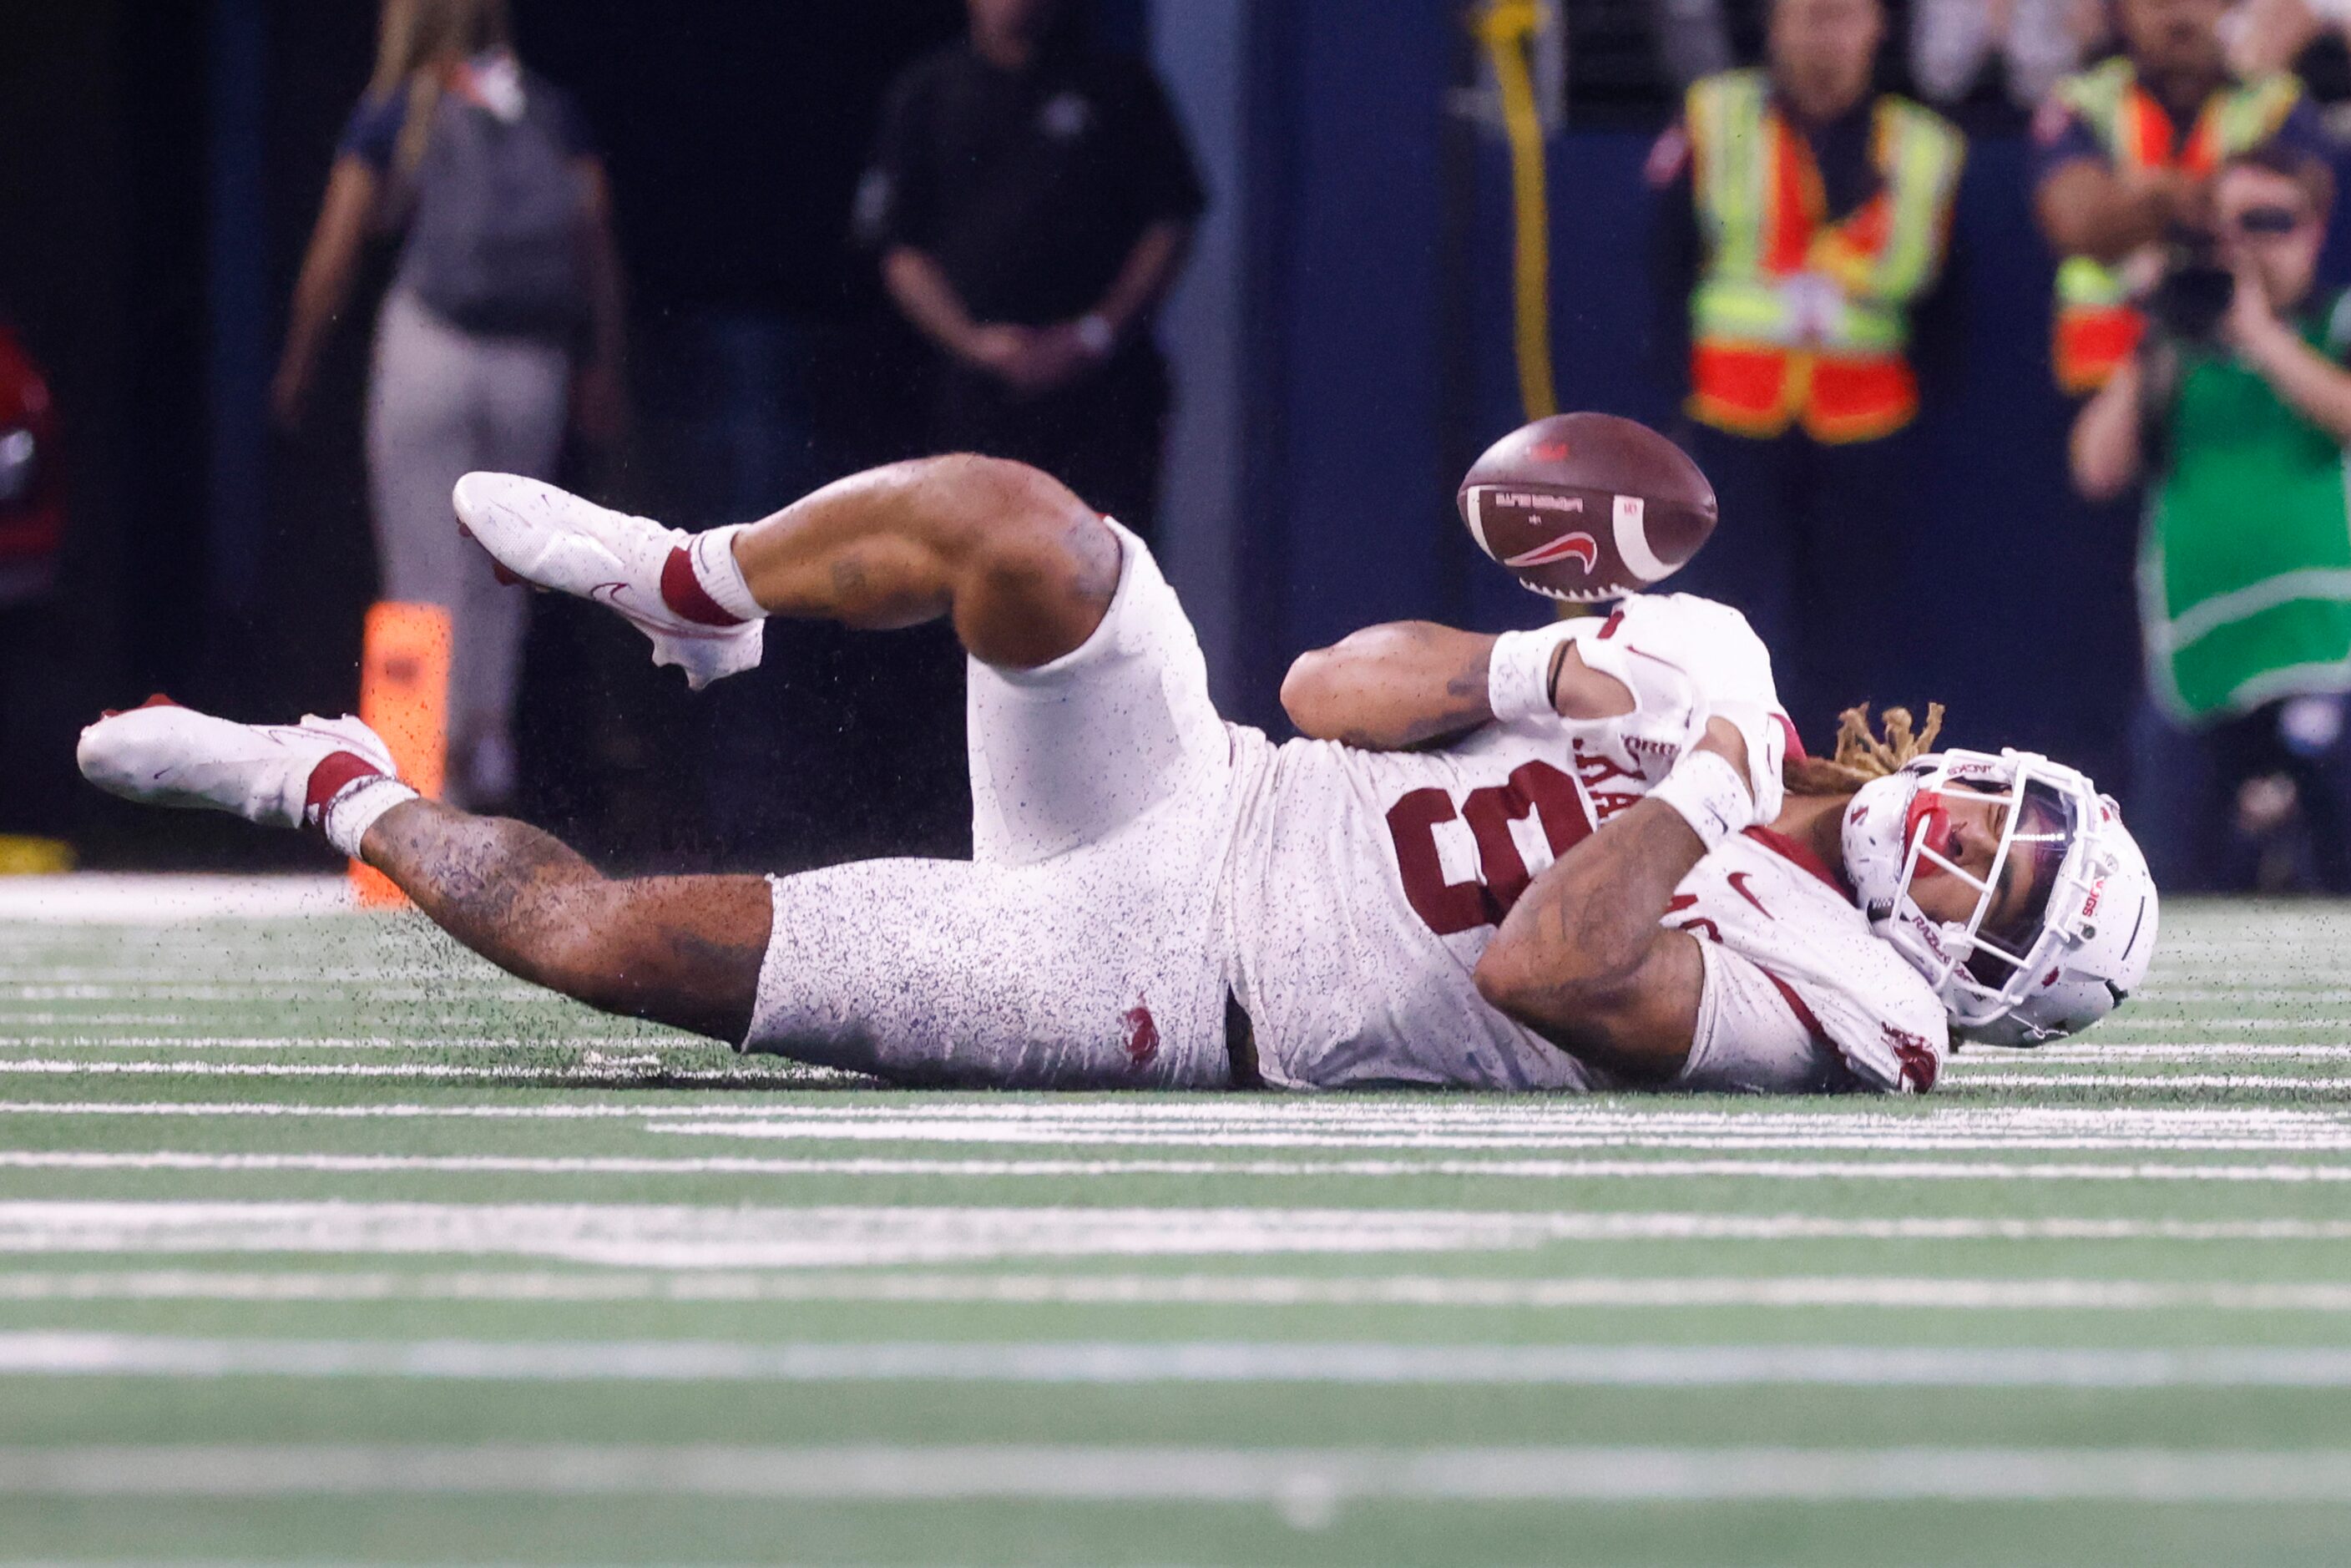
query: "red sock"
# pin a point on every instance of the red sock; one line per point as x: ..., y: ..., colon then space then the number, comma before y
x: 682, y: 591
x: 335, y: 773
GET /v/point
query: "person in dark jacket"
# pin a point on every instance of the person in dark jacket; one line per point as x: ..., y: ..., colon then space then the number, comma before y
x: 1032, y: 199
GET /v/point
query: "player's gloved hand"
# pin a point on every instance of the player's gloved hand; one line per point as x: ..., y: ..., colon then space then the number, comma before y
x: 1667, y: 718
x: 1710, y: 643
x: 1639, y: 747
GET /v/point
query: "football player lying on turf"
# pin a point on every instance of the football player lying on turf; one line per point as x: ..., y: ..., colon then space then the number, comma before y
x: 1159, y: 898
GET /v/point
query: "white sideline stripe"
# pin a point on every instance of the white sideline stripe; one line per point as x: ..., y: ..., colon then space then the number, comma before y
x: 1856, y: 1134
x: 2119, y: 1054
x: 2280, y: 1080
x: 2142, y: 1025
x: 349, y: 1043
x: 2135, y: 1053
x: 1434, y: 1123
x: 1154, y: 1112
x: 87, y: 898
x: 2116, y: 1050
x: 1307, y: 1485
x: 1523, y: 1169
x: 1941, y: 1294
x: 461, y: 970
x: 782, y: 1072
x: 682, y: 1237
x: 752, y: 1165
x: 1118, y: 1363
x: 248, y: 993
x: 2155, y: 994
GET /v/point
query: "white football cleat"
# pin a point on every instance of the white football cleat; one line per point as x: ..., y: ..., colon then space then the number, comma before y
x: 161, y: 754
x: 553, y: 540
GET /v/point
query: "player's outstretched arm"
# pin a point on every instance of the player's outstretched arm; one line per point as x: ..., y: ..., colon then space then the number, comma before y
x: 1582, y: 959
x: 1413, y: 683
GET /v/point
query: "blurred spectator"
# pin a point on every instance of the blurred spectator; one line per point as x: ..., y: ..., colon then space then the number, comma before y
x: 1693, y: 38
x: 1033, y: 199
x: 32, y: 496
x: 506, y: 278
x: 2307, y: 38
x: 34, y: 639
x: 2126, y: 149
x: 2246, y: 613
x: 1801, y: 224
x: 1993, y: 61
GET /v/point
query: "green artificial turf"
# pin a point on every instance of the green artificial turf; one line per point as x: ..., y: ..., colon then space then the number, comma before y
x: 320, y: 1241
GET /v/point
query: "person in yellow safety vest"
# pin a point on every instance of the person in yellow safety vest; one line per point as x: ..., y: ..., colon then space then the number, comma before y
x: 2123, y: 154
x: 1801, y: 251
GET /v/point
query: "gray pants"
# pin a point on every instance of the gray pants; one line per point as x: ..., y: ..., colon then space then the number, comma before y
x: 441, y: 403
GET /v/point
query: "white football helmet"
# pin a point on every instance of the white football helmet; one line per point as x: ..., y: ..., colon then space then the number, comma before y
x: 2084, y: 934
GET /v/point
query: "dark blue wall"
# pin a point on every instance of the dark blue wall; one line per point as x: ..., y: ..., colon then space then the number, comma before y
x: 1358, y: 237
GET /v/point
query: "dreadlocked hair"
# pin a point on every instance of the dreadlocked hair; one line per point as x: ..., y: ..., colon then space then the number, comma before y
x: 1861, y: 754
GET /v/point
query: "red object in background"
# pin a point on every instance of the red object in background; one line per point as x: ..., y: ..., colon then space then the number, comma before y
x: 32, y: 494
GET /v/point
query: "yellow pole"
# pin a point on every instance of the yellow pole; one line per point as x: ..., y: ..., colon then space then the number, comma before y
x: 1508, y: 28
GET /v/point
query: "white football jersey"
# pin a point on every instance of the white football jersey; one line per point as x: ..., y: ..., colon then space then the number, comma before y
x: 1364, y: 886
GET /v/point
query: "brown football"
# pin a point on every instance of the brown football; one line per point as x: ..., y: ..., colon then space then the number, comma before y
x: 1587, y: 505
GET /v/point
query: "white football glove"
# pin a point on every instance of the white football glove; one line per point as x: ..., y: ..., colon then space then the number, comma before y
x: 1668, y: 713
x: 1727, y: 663
x: 1667, y: 717
x: 1713, y: 643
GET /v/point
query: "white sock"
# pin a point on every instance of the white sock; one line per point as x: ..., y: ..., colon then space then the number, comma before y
x: 356, y: 807
x: 721, y: 576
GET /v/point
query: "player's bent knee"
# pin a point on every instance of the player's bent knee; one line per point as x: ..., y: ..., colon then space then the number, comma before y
x: 1038, y: 579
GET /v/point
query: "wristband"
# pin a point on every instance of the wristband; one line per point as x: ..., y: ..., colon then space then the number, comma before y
x: 1709, y: 794
x: 1518, y: 672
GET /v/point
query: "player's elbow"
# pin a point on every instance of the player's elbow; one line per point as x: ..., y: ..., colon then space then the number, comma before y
x: 1550, y: 992
x: 1504, y: 981
x: 1595, y: 1015
x: 1306, y: 691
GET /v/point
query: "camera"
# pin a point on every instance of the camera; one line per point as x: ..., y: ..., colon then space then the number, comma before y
x: 2193, y: 293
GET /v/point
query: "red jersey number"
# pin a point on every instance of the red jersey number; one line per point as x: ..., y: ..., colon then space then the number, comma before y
x: 1449, y: 908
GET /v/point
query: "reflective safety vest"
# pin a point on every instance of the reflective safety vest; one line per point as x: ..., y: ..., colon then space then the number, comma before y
x: 1795, y: 318
x: 2096, y: 327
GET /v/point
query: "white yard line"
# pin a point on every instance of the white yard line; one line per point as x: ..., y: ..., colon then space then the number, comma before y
x: 87, y: 898
x: 1120, y: 1362
x: 781, y: 1074
x: 670, y: 1237
x: 1307, y: 1123
x: 1876, y: 1292
x: 250, y: 993
x: 1518, y: 1169
x: 514, y: 1041
x: 2120, y: 1029
x: 1051, y: 1116
x: 968, y: 1169
x: 1308, y: 1485
x: 2279, y: 1082
x: 2102, y: 1049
